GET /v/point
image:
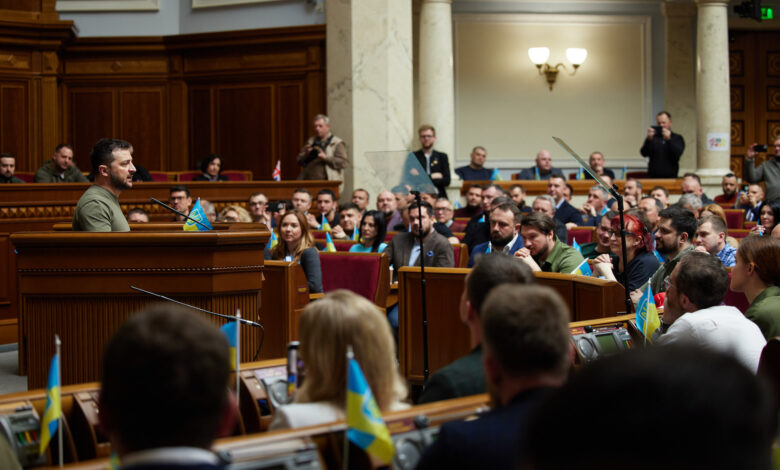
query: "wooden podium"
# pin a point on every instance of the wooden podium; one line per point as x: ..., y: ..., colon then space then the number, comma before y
x: 77, y: 285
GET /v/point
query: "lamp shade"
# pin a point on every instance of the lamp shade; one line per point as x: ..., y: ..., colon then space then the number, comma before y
x: 576, y: 55
x: 539, y: 55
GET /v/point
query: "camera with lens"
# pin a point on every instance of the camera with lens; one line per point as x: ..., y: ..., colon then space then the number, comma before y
x: 760, y: 148
x: 659, y: 131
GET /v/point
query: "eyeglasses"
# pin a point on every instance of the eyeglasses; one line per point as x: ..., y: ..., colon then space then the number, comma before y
x: 444, y: 209
x: 260, y: 203
x: 616, y: 233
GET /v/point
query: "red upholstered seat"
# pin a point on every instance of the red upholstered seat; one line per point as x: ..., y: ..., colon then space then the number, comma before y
x: 187, y: 175
x: 582, y: 235
x: 366, y: 274
x: 736, y: 299
x: 343, y: 245
x: 458, y: 226
x: 26, y: 176
x: 739, y: 233
x: 237, y: 175
x: 734, y: 218
x: 159, y: 176
x: 749, y: 224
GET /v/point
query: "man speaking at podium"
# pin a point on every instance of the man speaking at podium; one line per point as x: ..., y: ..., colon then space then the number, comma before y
x: 98, y: 209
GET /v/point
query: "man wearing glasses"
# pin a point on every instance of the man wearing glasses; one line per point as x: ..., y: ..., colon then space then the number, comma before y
x: 258, y: 208
x: 433, y: 162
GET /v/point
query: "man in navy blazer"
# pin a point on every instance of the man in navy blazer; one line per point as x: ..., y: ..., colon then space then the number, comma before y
x: 435, y: 163
x: 504, y: 232
x: 526, y: 352
x: 565, y: 212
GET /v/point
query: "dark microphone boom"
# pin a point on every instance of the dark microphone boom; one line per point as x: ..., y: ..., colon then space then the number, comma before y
x: 177, y: 212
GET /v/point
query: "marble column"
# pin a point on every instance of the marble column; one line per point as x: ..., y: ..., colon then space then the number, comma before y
x: 369, y: 84
x: 436, y: 77
x: 680, y: 76
x: 712, y: 91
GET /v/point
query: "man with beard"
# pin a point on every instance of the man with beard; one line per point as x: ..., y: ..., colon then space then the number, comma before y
x: 477, y: 230
x: 543, y: 251
x: 504, y: 232
x: 473, y: 202
x: 729, y: 196
x: 98, y: 209
x: 387, y: 204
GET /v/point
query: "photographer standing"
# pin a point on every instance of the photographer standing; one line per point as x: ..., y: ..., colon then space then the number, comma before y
x: 324, y: 156
x: 663, y: 147
x: 768, y: 172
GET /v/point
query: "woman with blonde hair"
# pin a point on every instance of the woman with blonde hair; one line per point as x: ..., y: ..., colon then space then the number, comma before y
x: 297, y: 244
x: 233, y: 214
x: 341, y: 318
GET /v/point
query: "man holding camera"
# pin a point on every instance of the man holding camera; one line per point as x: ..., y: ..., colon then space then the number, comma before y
x: 324, y: 156
x: 663, y: 147
x: 768, y: 172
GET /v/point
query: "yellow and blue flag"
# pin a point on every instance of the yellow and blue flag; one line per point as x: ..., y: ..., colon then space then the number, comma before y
x: 495, y: 176
x: 329, y: 246
x: 230, y: 331
x: 659, y: 257
x: 580, y: 174
x: 53, y: 411
x: 537, y: 176
x: 458, y: 205
x: 198, y: 214
x: 647, y: 314
x: 325, y: 225
x: 274, y: 239
x: 583, y: 269
x: 356, y: 234
x: 576, y: 245
x: 365, y: 426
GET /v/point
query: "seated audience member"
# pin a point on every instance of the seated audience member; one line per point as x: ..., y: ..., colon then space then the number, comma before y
x: 651, y: 207
x: 752, y: 201
x: 301, y: 200
x: 404, y: 248
x: 632, y: 192
x: 691, y: 184
x: 660, y: 193
x: 402, y: 200
x: 568, y: 190
x: 340, y: 319
x: 297, y: 244
x: 477, y: 230
x: 691, y: 203
x: 442, y: 210
x: 546, y: 205
x: 475, y: 170
x: 673, y: 237
x: 768, y: 218
x: 360, y: 198
x: 277, y: 210
x: 349, y: 217
x: 209, y: 210
x: 430, y: 198
x: 693, y: 312
x: 258, y: 209
x: 233, y: 214
x: 712, y: 414
x: 601, y: 245
x: 711, y: 238
x: 768, y: 172
x: 595, y: 207
x: 730, y: 193
x: 211, y: 168
x: 543, y: 251
x: 527, y: 346
x: 717, y: 211
x: 326, y: 208
x: 386, y: 203
x: 137, y: 216
x: 517, y: 193
x: 565, y: 212
x: 7, y: 168
x: 466, y: 375
x: 504, y: 232
x: 757, y: 274
x: 596, y: 162
x: 473, y: 202
x: 180, y: 199
x: 169, y: 366
x: 640, y: 263
x: 542, y: 170
x: 371, y: 236
x: 60, y: 169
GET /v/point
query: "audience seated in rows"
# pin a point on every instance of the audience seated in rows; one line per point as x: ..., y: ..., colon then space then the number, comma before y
x: 595, y: 207
x: 752, y: 202
x: 386, y: 202
x: 517, y: 193
x: 372, y: 233
x: 757, y: 274
x: 232, y: 214
x: 296, y: 243
x: 691, y: 184
x: 768, y: 219
x: 137, y: 216
x: 596, y: 161
x: 662, y: 194
x: 258, y: 208
x: 543, y: 251
x: 651, y: 207
x: 179, y: 198
x: 676, y: 229
x: 477, y: 230
x: 730, y: 195
x: 603, y: 236
x: 691, y: 203
x: 349, y: 217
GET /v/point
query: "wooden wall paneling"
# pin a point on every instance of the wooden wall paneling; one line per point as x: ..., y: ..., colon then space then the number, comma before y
x: 14, y: 118
x: 245, y: 126
x: 770, y: 85
x: 142, y: 122
x: 178, y: 118
x: 201, y: 118
x: 91, y: 116
x: 291, y: 130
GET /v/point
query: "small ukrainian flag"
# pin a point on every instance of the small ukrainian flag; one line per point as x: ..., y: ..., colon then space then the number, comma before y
x: 274, y: 239
x: 647, y: 320
x: 356, y: 234
x: 198, y: 214
x: 329, y: 246
x: 53, y: 410
x: 325, y: 225
x: 230, y: 331
x: 495, y: 176
x: 583, y: 269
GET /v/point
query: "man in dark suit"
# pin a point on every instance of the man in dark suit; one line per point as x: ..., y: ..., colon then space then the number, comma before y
x: 663, y: 147
x: 436, y: 164
x: 526, y: 353
x: 466, y: 375
x: 504, y: 232
x: 565, y: 212
x: 164, y: 396
x: 477, y: 230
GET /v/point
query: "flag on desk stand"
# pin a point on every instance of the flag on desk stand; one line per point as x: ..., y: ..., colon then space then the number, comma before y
x: 330, y: 247
x: 495, y: 176
x: 647, y: 314
x: 365, y: 426
x: 458, y: 205
x: 537, y: 176
x: 583, y: 269
x: 625, y: 172
x: 232, y: 331
x: 355, y: 234
x: 53, y: 412
x: 325, y: 226
x: 580, y: 174
x: 277, y: 173
x: 198, y: 214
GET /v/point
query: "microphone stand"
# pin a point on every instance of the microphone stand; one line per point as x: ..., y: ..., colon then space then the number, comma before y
x: 179, y: 213
x: 418, y: 200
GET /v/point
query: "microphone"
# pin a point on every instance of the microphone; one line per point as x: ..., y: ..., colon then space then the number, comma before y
x: 180, y: 213
x: 221, y: 315
x: 415, y: 193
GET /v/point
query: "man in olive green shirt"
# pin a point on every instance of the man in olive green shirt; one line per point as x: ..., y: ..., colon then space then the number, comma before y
x: 543, y: 251
x: 98, y: 209
x: 60, y: 169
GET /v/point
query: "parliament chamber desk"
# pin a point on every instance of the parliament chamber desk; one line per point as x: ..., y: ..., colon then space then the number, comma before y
x: 581, y: 187
x: 78, y: 285
x: 38, y: 206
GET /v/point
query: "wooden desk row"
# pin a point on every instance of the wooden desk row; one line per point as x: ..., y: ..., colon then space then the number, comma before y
x: 581, y: 187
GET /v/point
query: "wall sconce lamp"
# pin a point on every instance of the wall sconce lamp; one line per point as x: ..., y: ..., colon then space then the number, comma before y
x: 539, y: 56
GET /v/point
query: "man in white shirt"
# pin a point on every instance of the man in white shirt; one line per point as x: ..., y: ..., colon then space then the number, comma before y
x: 693, y: 312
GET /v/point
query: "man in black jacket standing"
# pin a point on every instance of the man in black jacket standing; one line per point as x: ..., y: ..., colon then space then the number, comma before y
x: 663, y: 147
x: 435, y: 163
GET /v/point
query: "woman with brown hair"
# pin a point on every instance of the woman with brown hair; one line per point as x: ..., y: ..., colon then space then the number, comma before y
x: 297, y: 244
x: 340, y: 319
x: 757, y: 274
x: 640, y: 263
